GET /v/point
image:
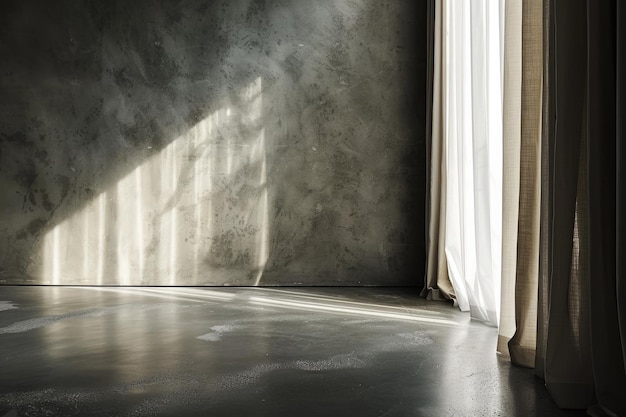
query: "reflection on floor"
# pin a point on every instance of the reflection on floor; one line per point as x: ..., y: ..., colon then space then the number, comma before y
x: 252, y: 352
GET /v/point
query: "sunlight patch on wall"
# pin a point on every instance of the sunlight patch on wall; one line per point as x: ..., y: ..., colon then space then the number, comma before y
x: 191, y: 214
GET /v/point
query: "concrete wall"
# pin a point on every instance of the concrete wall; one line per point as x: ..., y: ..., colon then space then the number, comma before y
x: 233, y: 142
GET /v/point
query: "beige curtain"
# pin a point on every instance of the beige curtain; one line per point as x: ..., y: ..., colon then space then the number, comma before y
x: 543, y: 293
x: 437, y: 282
x: 521, y: 182
x: 522, y: 345
x: 511, y: 144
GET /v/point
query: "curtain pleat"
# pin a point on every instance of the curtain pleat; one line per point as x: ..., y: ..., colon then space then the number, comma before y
x: 473, y: 154
x: 608, y: 362
x: 547, y: 184
x: 522, y: 345
x: 568, y: 373
x: 437, y: 282
x: 522, y: 118
x: 620, y: 282
x: 511, y: 144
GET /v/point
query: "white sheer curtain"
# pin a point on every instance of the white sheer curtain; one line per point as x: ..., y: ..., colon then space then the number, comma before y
x: 473, y: 38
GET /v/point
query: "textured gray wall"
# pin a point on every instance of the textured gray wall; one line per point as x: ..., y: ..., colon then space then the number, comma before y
x: 230, y: 142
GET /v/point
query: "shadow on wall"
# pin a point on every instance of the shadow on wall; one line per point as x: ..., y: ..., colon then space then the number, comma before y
x: 197, y: 143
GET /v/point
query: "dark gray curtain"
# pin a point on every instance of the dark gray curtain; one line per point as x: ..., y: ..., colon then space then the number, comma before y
x: 581, y: 323
x: 605, y: 135
x: 567, y: 357
x: 620, y: 139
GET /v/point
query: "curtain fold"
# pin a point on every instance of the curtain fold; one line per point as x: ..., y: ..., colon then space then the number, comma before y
x: 568, y: 372
x: 547, y: 185
x: 472, y: 130
x: 621, y: 173
x: 522, y: 344
x: 602, y: 77
x: 437, y: 282
x: 511, y: 163
x: 521, y: 179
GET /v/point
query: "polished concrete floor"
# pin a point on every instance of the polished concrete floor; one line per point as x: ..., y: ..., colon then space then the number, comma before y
x: 90, y: 351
